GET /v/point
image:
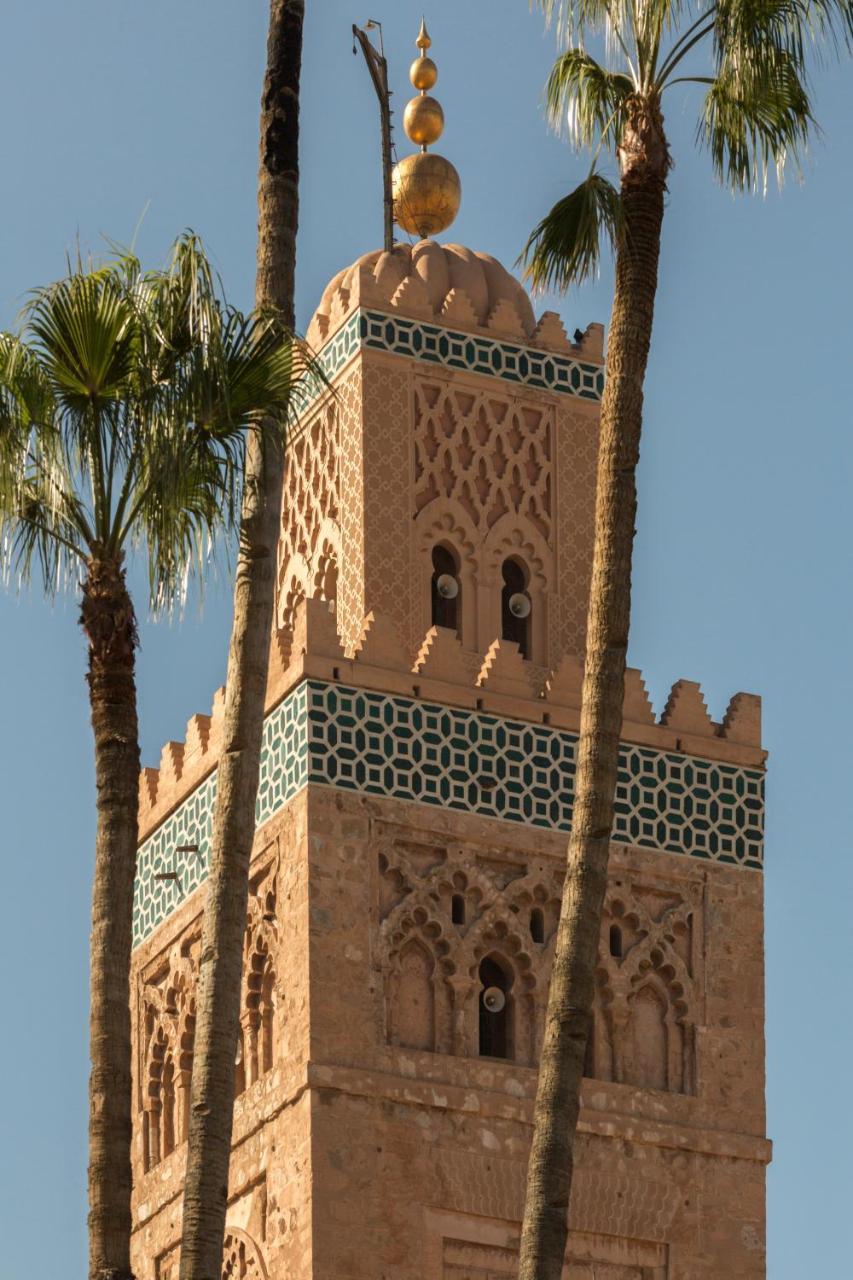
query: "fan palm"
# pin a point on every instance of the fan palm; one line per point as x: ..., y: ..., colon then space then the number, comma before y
x: 218, y: 1004
x: 747, y: 60
x: 123, y: 405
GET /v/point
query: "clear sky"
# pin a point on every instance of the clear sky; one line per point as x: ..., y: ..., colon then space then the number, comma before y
x: 743, y: 560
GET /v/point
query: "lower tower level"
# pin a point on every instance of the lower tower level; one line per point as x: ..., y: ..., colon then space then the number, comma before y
x: 416, y: 793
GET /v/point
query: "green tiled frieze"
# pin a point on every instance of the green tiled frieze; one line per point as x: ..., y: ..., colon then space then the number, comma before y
x: 513, y: 362
x: 384, y: 745
x: 182, y: 844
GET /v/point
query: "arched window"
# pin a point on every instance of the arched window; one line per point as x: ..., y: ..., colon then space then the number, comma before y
x: 446, y: 589
x: 495, y: 1010
x: 457, y: 909
x: 515, y: 606
x: 537, y: 925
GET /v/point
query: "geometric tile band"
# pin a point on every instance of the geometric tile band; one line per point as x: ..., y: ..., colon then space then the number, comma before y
x: 511, y: 361
x: 470, y: 761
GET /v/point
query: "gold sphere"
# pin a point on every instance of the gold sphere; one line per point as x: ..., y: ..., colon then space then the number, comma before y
x: 423, y: 73
x: 423, y: 120
x: 427, y: 194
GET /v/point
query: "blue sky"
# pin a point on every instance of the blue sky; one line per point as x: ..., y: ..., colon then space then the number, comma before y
x: 743, y: 557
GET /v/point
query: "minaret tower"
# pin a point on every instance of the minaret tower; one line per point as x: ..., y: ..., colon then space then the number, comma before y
x: 416, y: 790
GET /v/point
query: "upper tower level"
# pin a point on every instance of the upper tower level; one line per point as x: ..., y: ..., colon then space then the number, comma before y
x: 448, y: 478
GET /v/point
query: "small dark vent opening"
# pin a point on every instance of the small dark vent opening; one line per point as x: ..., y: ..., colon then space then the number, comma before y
x: 457, y: 909
x: 537, y: 925
x: 616, y: 941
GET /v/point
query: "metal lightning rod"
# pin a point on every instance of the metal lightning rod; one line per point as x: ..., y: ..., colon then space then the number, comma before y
x: 378, y: 68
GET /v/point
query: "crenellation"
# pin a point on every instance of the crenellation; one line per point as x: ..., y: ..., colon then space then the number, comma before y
x: 742, y: 721
x: 550, y: 333
x: 458, y: 311
x: 505, y: 672
x: 504, y: 320
x: 685, y: 710
x: 197, y: 740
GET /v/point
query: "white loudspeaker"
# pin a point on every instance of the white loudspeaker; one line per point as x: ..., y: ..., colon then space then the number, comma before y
x: 447, y: 586
x: 519, y: 605
x: 494, y: 999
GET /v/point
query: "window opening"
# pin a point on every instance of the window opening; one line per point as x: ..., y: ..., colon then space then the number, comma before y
x: 515, y: 607
x: 616, y: 941
x: 494, y: 1010
x: 457, y: 909
x: 445, y: 589
x: 537, y: 925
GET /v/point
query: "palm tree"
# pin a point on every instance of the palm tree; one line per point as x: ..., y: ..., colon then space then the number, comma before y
x: 218, y: 1004
x: 748, y: 60
x: 123, y: 405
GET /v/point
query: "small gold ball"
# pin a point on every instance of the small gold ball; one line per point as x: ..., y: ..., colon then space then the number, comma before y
x: 423, y: 73
x: 427, y: 194
x: 423, y: 120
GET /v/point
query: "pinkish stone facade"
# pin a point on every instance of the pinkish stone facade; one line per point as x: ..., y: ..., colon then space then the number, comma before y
x: 416, y: 787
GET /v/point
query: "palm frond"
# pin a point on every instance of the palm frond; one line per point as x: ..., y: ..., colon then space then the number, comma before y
x: 565, y: 248
x: 757, y: 118
x: 590, y: 99
x: 124, y: 408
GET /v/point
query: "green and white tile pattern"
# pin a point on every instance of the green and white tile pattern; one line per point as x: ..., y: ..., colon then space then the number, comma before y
x: 384, y: 745
x: 435, y: 344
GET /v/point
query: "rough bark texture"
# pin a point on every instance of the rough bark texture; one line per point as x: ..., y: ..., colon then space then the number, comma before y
x: 644, y: 162
x: 108, y: 620
x: 212, y: 1105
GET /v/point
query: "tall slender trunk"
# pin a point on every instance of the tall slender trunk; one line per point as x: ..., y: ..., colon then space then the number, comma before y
x: 218, y: 1007
x: 644, y: 163
x: 108, y: 620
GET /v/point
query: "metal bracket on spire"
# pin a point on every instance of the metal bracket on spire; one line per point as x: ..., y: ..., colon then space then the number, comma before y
x: 378, y: 68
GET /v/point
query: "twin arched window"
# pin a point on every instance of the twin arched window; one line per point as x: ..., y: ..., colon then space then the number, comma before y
x: 516, y: 608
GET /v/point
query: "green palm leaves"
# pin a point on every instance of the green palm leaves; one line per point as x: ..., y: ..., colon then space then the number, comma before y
x: 749, y: 58
x: 124, y: 405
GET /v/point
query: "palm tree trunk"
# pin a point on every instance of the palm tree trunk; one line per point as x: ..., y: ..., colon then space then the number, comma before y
x: 218, y: 1009
x: 108, y: 619
x: 644, y: 161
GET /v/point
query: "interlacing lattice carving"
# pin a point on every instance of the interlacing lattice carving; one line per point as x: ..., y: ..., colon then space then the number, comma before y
x: 167, y: 1013
x: 446, y: 911
x: 491, y: 454
x: 242, y: 1259
x: 309, y: 549
x: 645, y: 1008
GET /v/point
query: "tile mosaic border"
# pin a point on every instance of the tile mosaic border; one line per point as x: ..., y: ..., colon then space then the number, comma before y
x: 469, y: 761
x: 420, y: 340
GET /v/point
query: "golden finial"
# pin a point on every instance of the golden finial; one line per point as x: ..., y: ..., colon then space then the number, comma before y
x: 427, y: 191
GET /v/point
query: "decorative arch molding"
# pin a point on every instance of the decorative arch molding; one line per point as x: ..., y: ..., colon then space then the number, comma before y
x: 242, y: 1258
x: 464, y: 902
x: 510, y: 540
x: 325, y: 560
x: 294, y: 585
x: 447, y: 525
x: 416, y: 943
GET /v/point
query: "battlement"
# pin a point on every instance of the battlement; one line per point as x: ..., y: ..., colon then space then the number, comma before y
x: 499, y: 683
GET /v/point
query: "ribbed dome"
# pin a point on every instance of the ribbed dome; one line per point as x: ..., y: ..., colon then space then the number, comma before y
x: 439, y: 268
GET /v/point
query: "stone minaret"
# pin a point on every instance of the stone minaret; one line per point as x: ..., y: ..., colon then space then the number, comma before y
x: 416, y: 791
